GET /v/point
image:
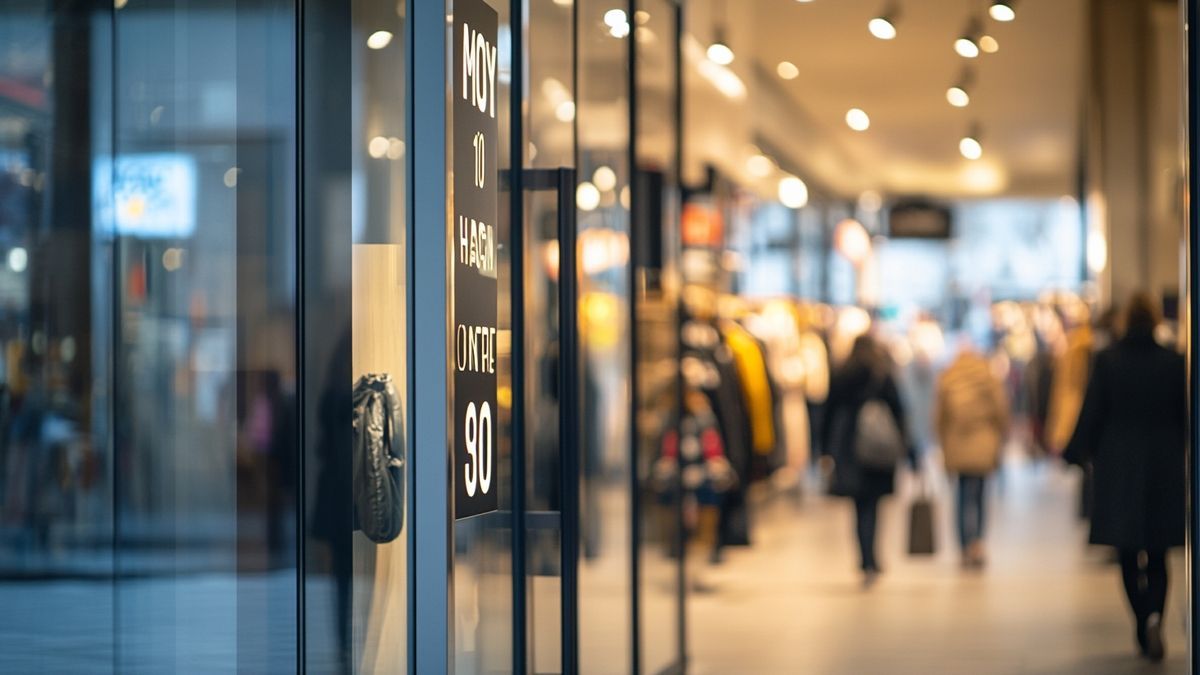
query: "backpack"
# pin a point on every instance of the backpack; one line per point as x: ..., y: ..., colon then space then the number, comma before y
x: 878, y: 443
x: 378, y: 459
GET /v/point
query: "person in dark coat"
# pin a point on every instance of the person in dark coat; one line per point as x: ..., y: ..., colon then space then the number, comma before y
x: 866, y: 375
x: 1131, y: 429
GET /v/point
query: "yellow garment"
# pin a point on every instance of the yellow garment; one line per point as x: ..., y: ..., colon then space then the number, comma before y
x: 1067, y: 388
x: 756, y: 389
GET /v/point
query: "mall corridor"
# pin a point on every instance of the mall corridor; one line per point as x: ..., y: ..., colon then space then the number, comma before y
x: 1045, y: 603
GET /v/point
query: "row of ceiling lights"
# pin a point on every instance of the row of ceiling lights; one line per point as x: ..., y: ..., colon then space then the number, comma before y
x: 969, y: 45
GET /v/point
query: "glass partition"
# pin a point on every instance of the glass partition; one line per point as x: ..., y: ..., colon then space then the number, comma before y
x: 656, y: 231
x: 150, y: 474
x: 603, y: 199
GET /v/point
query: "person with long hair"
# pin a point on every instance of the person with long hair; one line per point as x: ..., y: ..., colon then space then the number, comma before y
x: 1132, y: 430
x: 866, y: 377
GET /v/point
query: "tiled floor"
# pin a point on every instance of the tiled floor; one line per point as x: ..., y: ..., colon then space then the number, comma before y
x: 1046, y: 603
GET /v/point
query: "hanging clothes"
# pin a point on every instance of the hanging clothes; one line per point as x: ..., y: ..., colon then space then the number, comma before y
x: 756, y: 387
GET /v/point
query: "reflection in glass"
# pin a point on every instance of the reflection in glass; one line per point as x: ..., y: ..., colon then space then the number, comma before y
x: 605, y: 567
x: 656, y: 218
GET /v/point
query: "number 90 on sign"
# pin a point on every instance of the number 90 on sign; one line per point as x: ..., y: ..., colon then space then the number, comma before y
x: 477, y: 431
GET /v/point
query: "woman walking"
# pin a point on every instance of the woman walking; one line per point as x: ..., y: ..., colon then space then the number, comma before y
x: 971, y: 421
x: 1132, y: 428
x: 866, y: 437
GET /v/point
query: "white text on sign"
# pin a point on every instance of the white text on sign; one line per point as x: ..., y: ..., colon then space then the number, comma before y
x: 479, y: 71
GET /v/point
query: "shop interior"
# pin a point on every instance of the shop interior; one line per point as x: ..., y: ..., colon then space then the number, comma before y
x: 944, y: 175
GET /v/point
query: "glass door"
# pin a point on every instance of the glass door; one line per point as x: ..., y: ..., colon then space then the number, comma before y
x: 547, y: 476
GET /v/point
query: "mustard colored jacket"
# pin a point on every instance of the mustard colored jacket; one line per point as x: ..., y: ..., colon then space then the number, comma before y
x: 756, y: 388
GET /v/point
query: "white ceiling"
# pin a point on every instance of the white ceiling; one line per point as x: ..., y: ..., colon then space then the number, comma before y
x: 1026, y: 98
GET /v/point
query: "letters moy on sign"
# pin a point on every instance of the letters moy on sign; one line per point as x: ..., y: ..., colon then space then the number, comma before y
x: 473, y: 243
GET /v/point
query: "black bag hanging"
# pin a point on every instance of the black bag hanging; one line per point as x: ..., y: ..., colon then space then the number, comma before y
x: 378, y: 459
x: 921, y: 539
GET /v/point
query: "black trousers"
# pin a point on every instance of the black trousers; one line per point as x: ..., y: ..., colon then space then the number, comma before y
x: 1145, y: 585
x: 866, y: 518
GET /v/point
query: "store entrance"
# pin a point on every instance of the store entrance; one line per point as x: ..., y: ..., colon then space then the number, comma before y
x: 579, y: 563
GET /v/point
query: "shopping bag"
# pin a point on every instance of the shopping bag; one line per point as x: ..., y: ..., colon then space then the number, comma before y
x: 921, y: 539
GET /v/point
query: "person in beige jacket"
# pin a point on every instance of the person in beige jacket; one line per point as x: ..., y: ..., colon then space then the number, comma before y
x: 971, y: 421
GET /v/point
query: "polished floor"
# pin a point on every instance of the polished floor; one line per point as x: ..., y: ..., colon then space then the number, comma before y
x: 1046, y: 603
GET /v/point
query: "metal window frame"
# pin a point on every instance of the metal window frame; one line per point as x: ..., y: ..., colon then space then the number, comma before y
x: 430, y: 646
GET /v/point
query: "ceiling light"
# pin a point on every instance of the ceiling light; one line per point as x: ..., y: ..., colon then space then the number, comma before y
x: 793, y: 192
x: 883, y: 26
x: 614, y: 18
x: 958, y: 95
x: 379, y: 39
x: 759, y: 165
x: 969, y: 146
x: 378, y: 147
x: 719, y: 52
x: 605, y: 178
x: 966, y: 47
x: 787, y: 70
x: 988, y: 44
x: 587, y: 196
x: 1001, y: 10
x: 565, y: 111
x: 857, y: 120
x: 617, y: 22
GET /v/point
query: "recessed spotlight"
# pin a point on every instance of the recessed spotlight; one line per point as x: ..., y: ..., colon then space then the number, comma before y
x: 787, y: 70
x: 1001, y: 10
x: 966, y: 47
x: 719, y: 52
x: 857, y: 119
x: 379, y: 39
x: 967, y: 44
x: 882, y: 28
x: 988, y: 44
x: 958, y: 97
x: 883, y: 25
x: 970, y: 147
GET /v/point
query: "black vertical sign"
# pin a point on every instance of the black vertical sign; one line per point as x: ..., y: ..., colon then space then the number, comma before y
x: 474, y: 250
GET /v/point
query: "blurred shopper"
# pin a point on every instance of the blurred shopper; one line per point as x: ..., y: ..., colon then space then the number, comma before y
x: 971, y: 420
x: 1131, y: 429
x: 863, y: 382
x: 1070, y: 377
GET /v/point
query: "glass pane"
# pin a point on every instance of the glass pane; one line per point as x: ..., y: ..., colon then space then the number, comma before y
x: 605, y: 570
x: 202, y: 232
x: 356, y: 332
x: 550, y: 132
x: 379, y: 598
x: 329, y: 172
x: 57, y: 465
x: 657, y: 233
